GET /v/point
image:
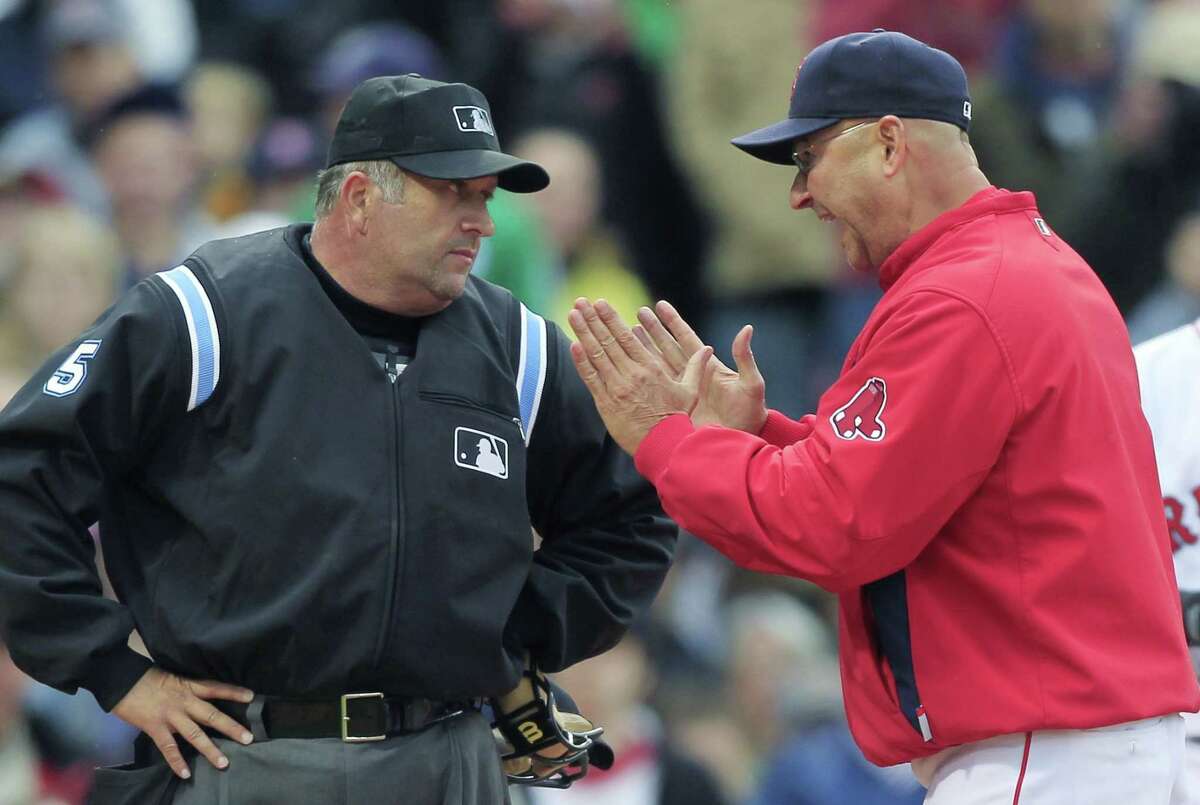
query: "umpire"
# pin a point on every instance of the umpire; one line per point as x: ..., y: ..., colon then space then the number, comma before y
x: 316, y: 455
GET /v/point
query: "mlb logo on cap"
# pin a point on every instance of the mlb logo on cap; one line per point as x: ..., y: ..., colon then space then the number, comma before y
x: 474, y: 118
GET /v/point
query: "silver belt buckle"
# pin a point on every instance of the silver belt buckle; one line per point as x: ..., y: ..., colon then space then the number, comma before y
x: 346, y: 736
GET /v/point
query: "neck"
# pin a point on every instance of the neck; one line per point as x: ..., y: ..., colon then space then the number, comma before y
x: 334, y: 246
x: 944, y: 192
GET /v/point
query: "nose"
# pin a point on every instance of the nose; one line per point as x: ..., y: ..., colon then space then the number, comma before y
x: 799, y: 197
x: 480, y: 222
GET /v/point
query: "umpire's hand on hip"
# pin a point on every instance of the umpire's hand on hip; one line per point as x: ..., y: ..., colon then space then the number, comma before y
x: 164, y: 705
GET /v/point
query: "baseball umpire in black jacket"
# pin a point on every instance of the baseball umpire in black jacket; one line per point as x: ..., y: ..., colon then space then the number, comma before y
x: 315, y: 455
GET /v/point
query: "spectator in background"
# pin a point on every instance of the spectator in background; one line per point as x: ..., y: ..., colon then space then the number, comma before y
x: 91, y: 64
x: 1040, y: 115
x: 64, y: 275
x: 813, y: 761
x: 766, y: 264
x: 379, y: 48
x: 22, y: 74
x: 36, y: 768
x: 162, y: 35
x: 146, y: 157
x: 650, y: 768
x: 591, y: 260
x: 1152, y: 175
x: 778, y: 675
x: 229, y: 105
x: 574, y: 67
x: 966, y: 28
x: 1175, y: 300
x: 282, y: 164
x: 279, y: 38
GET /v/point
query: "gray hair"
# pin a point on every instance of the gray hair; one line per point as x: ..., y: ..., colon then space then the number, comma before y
x: 383, y: 172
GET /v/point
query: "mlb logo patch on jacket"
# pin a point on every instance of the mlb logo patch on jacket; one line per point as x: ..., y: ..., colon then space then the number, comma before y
x: 482, y: 452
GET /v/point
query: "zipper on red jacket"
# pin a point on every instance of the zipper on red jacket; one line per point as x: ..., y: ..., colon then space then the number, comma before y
x: 923, y: 721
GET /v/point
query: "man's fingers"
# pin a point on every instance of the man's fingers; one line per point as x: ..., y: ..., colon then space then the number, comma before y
x: 647, y: 342
x: 208, y: 689
x: 214, y: 719
x: 164, y: 739
x: 192, y: 732
x: 622, y: 334
x: 604, y: 339
x: 668, y: 347
x: 597, y: 356
x: 587, y: 372
x: 680, y: 329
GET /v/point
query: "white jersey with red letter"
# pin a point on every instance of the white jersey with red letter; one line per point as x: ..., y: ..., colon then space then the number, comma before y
x: 1169, y: 374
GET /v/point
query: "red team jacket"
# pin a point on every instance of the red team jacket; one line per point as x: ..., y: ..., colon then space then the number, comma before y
x: 979, y: 489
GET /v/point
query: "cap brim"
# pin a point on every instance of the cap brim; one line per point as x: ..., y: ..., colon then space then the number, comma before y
x: 515, y: 175
x: 774, y: 143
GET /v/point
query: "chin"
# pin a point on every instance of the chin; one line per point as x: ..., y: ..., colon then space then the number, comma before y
x: 450, y: 290
x: 859, y: 260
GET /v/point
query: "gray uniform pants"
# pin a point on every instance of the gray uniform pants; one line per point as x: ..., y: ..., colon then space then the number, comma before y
x: 452, y: 762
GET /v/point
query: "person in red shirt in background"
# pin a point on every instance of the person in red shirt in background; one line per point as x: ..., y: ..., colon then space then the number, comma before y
x: 978, y: 486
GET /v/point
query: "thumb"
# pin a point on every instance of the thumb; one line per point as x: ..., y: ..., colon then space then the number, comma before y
x: 743, y: 356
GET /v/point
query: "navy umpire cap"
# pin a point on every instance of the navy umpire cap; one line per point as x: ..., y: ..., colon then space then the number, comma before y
x: 443, y: 131
x: 865, y: 75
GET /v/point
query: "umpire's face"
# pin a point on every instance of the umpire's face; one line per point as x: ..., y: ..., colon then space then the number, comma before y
x: 430, y: 238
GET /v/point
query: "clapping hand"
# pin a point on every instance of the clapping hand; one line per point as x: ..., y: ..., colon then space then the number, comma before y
x: 728, y: 398
x: 634, y: 388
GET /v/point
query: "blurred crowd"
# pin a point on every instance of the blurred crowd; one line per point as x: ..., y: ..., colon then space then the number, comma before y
x: 131, y: 131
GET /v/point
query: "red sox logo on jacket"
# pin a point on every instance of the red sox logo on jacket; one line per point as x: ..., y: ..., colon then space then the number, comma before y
x: 863, y: 415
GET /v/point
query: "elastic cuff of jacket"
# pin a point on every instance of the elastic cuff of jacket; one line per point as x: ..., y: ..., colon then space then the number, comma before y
x: 778, y: 429
x: 114, y: 674
x: 655, y: 450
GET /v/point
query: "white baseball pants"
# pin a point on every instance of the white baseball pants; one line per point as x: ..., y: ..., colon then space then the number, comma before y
x: 1136, y: 763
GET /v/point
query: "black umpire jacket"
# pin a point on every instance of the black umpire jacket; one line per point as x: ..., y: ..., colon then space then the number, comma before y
x: 276, y: 513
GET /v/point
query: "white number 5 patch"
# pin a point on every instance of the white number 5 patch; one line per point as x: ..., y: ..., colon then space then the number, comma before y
x: 69, y: 376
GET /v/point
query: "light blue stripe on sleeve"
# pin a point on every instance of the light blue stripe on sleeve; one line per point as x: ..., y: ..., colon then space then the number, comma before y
x: 202, y: 331
x: 531, y: 374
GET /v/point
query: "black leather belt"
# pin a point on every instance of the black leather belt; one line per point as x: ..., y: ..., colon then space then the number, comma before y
x: 353, y: 717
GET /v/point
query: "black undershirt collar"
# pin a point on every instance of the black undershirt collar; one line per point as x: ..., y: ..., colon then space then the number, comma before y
x: 367, y: 320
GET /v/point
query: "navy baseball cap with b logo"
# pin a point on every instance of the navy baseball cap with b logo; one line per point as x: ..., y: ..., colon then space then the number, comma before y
x: 865, y: 75
x: 443, y: 131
